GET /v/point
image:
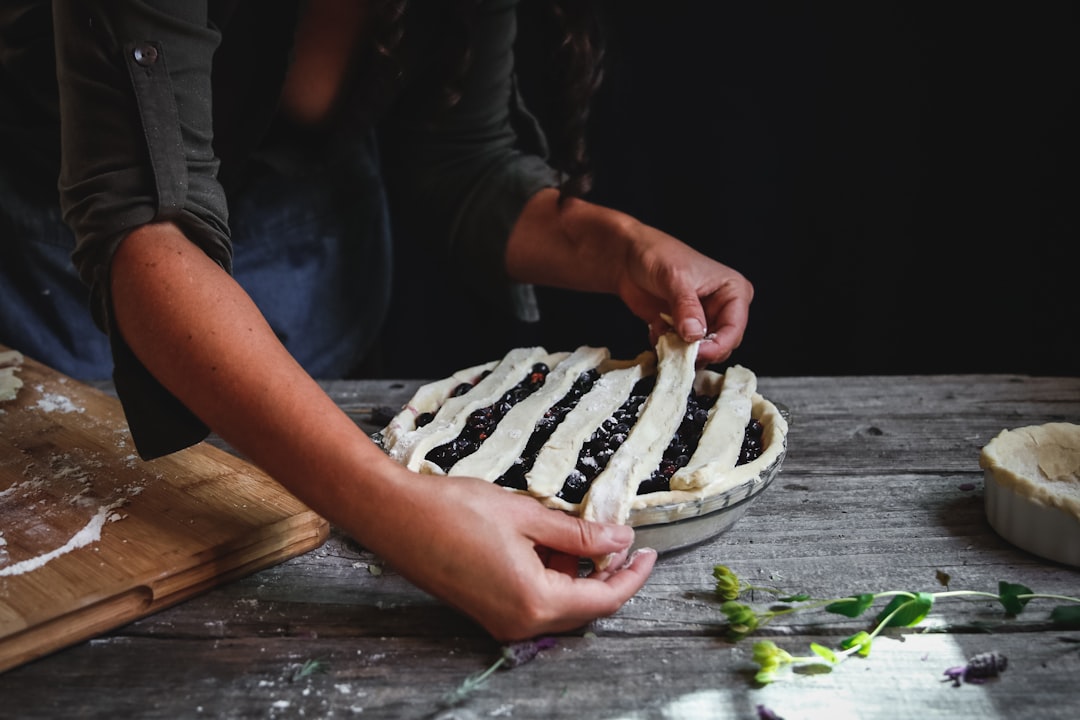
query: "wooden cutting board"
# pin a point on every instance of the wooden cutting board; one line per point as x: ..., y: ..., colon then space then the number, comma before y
x: 92, y: 537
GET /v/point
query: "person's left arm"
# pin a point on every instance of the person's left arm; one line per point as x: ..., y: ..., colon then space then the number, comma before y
x: 479, y: 177
x: 583, y: 246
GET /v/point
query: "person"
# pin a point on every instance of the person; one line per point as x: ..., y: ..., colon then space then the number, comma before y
x: 222, y: 175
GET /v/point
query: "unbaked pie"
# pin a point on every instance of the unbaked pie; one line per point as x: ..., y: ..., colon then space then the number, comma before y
x: 1032, y: 484
x: 598, y: 437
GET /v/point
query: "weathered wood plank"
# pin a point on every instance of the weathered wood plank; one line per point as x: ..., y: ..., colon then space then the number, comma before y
x: 593, y: 677
x: 881, y: 490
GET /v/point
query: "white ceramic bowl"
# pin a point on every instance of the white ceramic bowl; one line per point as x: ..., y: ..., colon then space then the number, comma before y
x: 1032, y: 489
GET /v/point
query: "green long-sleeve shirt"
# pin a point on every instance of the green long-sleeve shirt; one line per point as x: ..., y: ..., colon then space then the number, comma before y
x: 149, y: 110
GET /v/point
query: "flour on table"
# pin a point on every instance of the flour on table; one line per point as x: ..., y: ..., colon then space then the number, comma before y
x: 55, y: 402
x: 55, y: 509
x: 90, y: 533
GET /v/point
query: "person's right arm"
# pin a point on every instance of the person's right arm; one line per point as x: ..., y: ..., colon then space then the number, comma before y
x: 153, y: 245
x: 466, y: 541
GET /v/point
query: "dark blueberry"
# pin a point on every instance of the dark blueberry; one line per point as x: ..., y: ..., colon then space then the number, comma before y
x: 444, y: 456
x: 424, y: 418
x: 644, y: 386
x: 753, y: 442
x: 514, y: 477
x: 461, y: 390
x: 656, y: 483
x: 573, y: 490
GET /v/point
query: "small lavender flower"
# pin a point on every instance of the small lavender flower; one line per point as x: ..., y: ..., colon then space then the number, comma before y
x: 765, y: 713
x: 980, y: 668
x: 512, y: 656
x: 520, y: 653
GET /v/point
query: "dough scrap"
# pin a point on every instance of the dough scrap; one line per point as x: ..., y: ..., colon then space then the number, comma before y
x: 10, y: 362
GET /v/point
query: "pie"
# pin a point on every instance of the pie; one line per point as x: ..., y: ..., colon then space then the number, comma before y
x: 1032, y: 489
x: 592, y: 435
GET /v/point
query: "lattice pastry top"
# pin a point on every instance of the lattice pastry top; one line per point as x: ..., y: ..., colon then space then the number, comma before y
x: 591, y: 435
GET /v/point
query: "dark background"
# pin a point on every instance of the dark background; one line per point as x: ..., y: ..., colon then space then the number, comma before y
x: 899, y: 183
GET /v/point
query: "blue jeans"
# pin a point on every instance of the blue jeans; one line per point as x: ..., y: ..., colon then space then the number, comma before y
x: 311, y: 248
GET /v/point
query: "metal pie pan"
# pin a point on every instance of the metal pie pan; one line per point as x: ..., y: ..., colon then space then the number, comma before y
x: 673, y: 526
x: 679, y: 525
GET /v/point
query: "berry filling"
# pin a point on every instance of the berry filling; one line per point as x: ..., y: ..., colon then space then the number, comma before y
x: 682, y: 445
x: 514, y: 477
x: 482, y: 421
x: 599, y: 448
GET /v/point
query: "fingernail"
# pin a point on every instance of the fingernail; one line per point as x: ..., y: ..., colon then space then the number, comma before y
x: 692, y: 329
x: 620, y: 534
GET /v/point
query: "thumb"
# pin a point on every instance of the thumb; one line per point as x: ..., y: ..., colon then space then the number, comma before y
x: 688, y: 317
x: 580, y: 538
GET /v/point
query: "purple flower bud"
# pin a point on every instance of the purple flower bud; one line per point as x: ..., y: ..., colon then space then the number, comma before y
x: 765, y: 713
x: 522, y: 652
x: 980, y: 668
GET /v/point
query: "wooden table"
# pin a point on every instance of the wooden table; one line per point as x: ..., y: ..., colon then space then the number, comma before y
x: 881, y: 489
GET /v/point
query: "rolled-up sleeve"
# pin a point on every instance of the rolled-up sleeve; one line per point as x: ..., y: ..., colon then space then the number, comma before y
x: 468, y: 173
x: 134, y: 83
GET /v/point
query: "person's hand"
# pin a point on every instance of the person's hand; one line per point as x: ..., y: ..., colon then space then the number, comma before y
x: 502, y: 558
x: 582, y: 246
x: 670, y: 285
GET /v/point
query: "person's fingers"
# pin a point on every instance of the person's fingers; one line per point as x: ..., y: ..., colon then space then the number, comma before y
x: 726, y: 330
x: 609, y: 565
x: 603, y: 594
x: 688, y: 317
x: 567, y: 603
x: 577, y: 537
x: 630, y: 578
x: 564, y: 563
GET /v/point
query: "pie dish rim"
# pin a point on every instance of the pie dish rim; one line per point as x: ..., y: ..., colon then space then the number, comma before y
x: 695, y: 520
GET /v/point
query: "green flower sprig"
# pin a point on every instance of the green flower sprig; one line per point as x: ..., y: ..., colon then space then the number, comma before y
x: 904, y: 609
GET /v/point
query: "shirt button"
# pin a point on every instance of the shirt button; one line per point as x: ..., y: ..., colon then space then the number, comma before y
x: 145, y: 54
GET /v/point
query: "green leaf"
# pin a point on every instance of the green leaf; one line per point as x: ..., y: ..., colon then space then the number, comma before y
x: 1008, y: 593
x: 1066, y: 616
x: 861, y: 639
x: 801, y: 597
x: 851, y: 607
x: 310, y: 667
x: 822, y: 651
x: 910, y: 611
